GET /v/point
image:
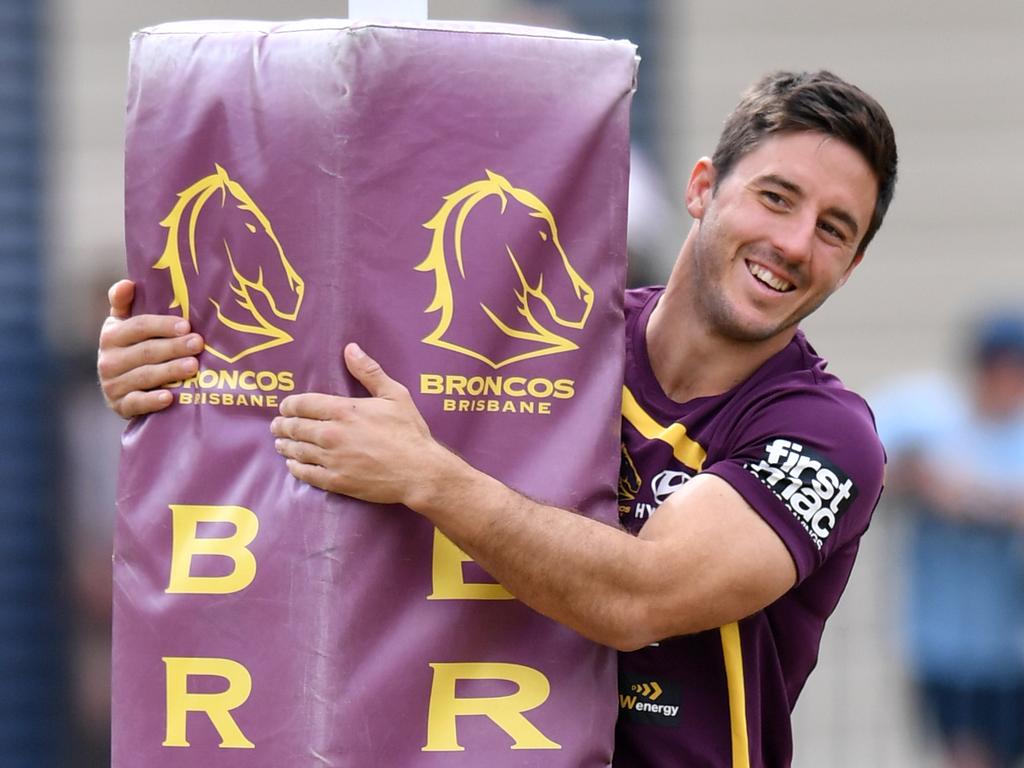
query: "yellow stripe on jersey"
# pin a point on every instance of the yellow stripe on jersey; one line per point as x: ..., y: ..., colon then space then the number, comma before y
x: 733, y: 653
x: 687, y: 451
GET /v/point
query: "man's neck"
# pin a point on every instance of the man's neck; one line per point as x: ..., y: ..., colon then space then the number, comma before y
x: 690, y: 359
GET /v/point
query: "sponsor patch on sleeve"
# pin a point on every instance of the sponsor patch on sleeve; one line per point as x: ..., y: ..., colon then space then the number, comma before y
x: 816, y: 491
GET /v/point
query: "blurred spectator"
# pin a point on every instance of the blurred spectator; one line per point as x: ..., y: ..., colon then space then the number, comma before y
x: 956, y: 465
x: 90, y: 448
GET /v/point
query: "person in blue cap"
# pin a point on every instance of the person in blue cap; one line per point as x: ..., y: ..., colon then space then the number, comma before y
x: 956, y: 467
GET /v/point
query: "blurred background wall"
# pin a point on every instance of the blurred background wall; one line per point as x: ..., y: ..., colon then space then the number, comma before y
x: 951, y: 75
x: 31, y: 619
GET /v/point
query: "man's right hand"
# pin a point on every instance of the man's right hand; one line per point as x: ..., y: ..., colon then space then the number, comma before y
x: 139, y: 355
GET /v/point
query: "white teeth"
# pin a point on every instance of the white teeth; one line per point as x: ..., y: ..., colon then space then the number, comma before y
x: 767, y: 277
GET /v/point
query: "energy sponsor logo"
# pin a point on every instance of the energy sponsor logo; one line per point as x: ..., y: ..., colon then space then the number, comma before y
x: 816, y: 491
x: 504, y: 291
x: 654, y: 702
x: 221, y: 244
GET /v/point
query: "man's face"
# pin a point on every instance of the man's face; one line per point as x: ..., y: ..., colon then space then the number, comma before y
x: 999, y: 386
x: 779, y: 234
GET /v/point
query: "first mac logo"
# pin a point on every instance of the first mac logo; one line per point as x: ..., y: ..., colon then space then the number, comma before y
x: 813, y: 489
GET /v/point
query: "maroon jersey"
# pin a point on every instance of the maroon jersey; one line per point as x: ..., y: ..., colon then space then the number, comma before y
x: 802, y: 450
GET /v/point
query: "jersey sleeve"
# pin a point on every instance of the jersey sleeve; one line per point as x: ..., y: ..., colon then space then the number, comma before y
x: 811, y: 464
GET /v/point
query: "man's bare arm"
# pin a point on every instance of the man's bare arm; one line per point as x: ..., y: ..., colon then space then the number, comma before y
x: 705, y: 559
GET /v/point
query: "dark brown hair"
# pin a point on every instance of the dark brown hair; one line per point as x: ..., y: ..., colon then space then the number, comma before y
x: 787, y: 102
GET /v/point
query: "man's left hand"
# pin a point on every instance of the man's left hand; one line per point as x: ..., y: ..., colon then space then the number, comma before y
x: 373, y: 448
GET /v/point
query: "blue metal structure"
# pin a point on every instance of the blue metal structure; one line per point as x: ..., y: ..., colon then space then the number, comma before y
x: 31, y: 645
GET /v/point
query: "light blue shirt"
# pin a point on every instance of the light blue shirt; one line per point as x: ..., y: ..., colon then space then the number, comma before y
x: 965, y: 586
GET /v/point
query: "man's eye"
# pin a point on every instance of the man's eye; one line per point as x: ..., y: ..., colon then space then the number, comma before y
x: 773, y: 198
x: 832, y: 231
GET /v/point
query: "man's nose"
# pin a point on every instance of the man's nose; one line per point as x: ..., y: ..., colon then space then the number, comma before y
x: 793, y: 238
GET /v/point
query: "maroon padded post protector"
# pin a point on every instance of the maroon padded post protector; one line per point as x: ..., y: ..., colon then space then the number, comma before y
x: 452, y: 197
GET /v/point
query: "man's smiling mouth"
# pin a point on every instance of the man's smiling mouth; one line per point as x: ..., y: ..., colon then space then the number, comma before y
x: 769, y: 278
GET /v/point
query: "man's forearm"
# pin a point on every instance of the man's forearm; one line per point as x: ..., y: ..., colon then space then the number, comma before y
x: 706, y: 559
x: 580, y: 572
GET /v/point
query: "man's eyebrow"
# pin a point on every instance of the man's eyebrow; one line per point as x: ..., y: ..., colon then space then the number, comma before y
x: 837, y: 213
x: 781, y: 181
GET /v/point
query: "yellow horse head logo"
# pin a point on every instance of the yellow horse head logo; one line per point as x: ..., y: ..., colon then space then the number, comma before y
x: 220, y: 244
x: 629, y: 477
x: 499, y: 266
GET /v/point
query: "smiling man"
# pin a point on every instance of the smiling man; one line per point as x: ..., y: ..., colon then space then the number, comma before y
x: 749, y: 473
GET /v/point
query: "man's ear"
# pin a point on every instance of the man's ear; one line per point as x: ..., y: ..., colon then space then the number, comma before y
x: 700, y: 188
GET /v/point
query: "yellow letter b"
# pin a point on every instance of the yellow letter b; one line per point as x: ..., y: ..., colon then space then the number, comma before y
x: 504, y: 711
x: 186, y: 545
x: 449, y: 580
